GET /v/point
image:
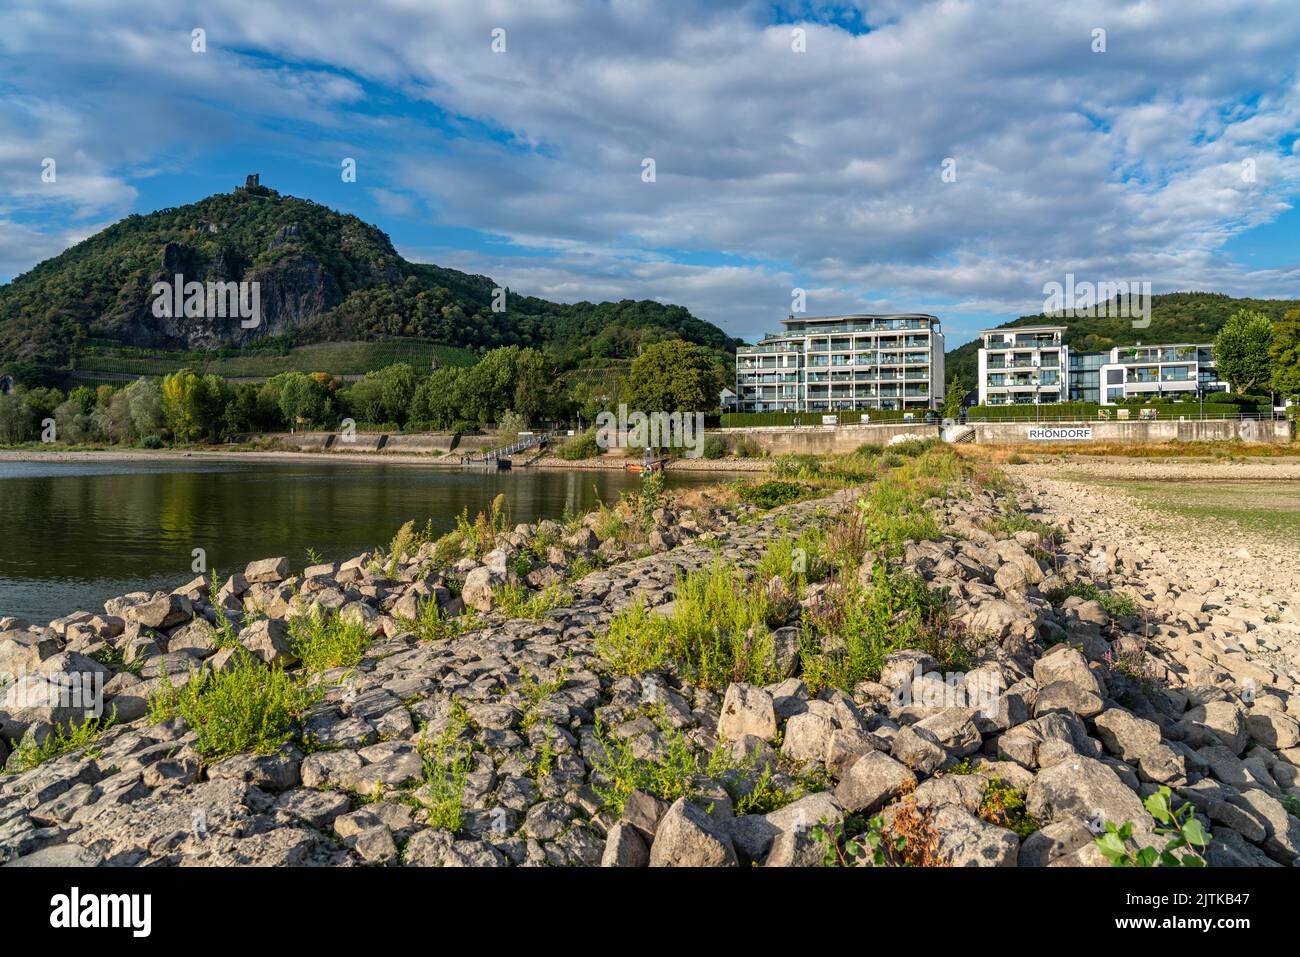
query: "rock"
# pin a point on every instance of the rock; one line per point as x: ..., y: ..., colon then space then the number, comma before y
x: 266, y: 571
x: 478, y: 592
x: 1063, y: 663
x: 1125, y: 735
x: 996, y: 619
x: 688, y: 837
x: 1086, y: 790
x: 643, y: 811
x: 919, y: 750
x: 268, y: 639
x: 375, y: 845
x: 747, y: 709
x: 1273, y: 730
x: 1215, y: 722
x: 23, y: 650
x: 967, y: 841
x: 900, y: 667
x: 807, y: 737
x: 1052, y: 842
x: 164, y: 611
x: 624, y: 847
x: 57, y: 855
x: 874, y: 779
x: 1067, y: 696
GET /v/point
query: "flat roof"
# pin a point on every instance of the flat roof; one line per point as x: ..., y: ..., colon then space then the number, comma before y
x: 862, y: 315
x: 1006, y: 329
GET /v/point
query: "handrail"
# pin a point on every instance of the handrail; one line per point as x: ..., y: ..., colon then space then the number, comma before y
x: 494, y: 455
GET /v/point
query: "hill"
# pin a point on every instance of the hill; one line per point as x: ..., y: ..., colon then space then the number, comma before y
x: 1175, y: 317
x: 323, y: 275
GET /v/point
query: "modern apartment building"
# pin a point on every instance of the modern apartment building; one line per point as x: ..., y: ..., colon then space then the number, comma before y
x: 844, y: 363
x: 1156, y: 371
x: 1023, y: 365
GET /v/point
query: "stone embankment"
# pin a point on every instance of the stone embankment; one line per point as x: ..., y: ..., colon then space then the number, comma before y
x: 1183, y: 685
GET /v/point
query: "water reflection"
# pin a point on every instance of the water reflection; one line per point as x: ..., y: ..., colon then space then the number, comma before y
x: 74, y: 534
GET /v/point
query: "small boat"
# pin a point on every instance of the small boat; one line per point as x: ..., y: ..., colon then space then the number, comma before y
x: 646, y: 468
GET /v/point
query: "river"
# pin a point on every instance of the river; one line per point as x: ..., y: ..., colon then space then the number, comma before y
x: 74, y: 533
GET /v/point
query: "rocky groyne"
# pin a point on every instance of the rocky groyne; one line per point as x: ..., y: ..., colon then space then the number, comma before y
x: 1042, y: 680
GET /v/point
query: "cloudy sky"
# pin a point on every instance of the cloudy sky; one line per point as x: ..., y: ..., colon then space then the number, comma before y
x: 795, y: 145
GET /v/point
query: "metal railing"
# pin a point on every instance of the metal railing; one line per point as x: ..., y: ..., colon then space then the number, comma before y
x: 505, y: 452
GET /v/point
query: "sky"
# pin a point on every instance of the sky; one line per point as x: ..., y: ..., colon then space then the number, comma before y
x: 948, y: 157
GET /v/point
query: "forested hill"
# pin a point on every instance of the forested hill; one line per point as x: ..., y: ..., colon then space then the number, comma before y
x: 1175, y: 317
x: 323, y: 276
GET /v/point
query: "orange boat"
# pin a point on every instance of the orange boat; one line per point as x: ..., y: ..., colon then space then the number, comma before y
x: 655, y: 466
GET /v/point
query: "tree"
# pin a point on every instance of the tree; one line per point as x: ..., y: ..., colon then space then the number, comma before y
x: 952, y: 399
x: 15, y: 418
x: 1284, y: 354
x: 193, y: 405
x: 674, y: 376
x: 1241, y: 351
x: 304, y: 400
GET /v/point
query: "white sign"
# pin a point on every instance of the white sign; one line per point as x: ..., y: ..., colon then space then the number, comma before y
x: 830, y: 420
x: 1058, y: 434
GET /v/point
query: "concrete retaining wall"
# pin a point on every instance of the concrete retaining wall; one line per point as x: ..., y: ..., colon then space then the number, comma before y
x: 423, y: 442
x: 1167, y: 430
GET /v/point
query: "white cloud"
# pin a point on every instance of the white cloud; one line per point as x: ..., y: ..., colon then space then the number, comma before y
x: 824, y: 164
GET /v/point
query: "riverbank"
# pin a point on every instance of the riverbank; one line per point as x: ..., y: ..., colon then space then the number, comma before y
x: 452, y: 461
x: 984, y: 664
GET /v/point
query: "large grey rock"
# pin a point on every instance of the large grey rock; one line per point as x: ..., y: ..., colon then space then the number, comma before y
x: 1125, y: 735
x: 688, y: 837
x: 967, y: 841
x: 268, y: 639
x: 164, y: 611
x: 624, y: 847
x: 874, y: 779
x: 747, y: 709
x: 267, y: 571
x: 1215, y: 722
x: 478, y: 591
x: 807, y: 737
x: 1087, y: 790
x: 1273, y: 729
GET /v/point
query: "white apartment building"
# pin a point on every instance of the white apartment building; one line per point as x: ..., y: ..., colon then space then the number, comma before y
x: 1032, y: 365
x: 1023, y: 365
x: 844, y: 363
x: 1156, y: 371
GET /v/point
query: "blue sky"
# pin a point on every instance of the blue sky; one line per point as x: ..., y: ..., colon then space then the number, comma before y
x: 796, y: 145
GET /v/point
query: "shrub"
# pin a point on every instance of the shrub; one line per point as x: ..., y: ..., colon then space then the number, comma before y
x: 846, y: 639
x: 249, y: 708
x: 718, y: 632
x: 29, y: 754
x: 1004, y: 806
x: 1116, y: 604
x: 432, y: 624
x: 580, y: 447
x: 617, y: 771
x: 325, y: 640
x: 714, y: 447
x: 773, y: 493
x: 516, y: 601
x: 637, y: 640
x: 446, y: 768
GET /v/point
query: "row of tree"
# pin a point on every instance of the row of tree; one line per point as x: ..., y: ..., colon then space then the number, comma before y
x: 509, y: 384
